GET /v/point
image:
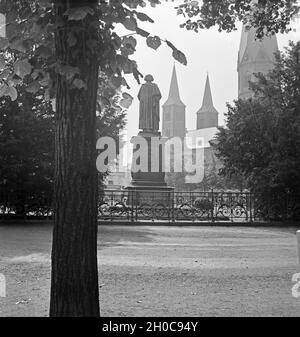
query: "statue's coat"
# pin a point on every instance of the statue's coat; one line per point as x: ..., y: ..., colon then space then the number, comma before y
x: 149, y: 96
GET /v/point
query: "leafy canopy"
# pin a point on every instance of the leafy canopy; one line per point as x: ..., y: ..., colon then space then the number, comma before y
x: 28, y: 53
x: 267, y: 16
x: 31, y: 26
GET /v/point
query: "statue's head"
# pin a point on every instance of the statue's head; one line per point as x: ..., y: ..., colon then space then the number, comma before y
x: 149, y: 78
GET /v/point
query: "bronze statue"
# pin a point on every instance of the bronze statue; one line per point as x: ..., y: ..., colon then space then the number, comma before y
x: 149, y: 96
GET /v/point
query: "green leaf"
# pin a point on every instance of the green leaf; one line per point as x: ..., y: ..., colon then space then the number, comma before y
x: 3, y: 89
x: 45, y: 80
x: 125, y: 95
x: 116, y: 42
x: 142, y: 32
x: 2, y: 62
x: 143, y: 17
x: 33, y: 87
x: 128, y: 46
x: 153, y: 3
x: 19, y: 45
x: 5, y: 74
x: 44, y: 52
x: 130, y: 40
x: 130, y: 23
x: 79, y: 13
x: 121, y: 61
x: 115, y: 82
x: 12, y: 93
x: 108, y: 92
x: 22, y: 68
x: 194, y: 3
x: 153, y: 42
x: 35, y: 74
x: 136, y: 75
x: 179, y: 56
x: 125, y: 84
x: 171, y: 45
x: 104, y: 101
x: 126, y: 101
x: 128, y: 66
x: 4, y: 43
x: 14, y: 81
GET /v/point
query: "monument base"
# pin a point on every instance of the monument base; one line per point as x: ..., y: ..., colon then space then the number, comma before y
x: 150, y: 195
x: 148, y: 188
x: 152, y: 175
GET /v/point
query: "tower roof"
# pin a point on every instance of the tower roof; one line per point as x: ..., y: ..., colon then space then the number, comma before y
x: 207, y: 104
x: 252, y: 49
x: 174, y: 97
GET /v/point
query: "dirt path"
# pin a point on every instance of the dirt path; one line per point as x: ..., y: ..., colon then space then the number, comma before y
x: 163, y: 271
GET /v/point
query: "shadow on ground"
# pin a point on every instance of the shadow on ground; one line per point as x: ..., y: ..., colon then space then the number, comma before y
x: 111, y: 235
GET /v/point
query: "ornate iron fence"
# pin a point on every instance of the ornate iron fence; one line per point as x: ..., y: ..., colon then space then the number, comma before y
x: 19, y: 204
x: 137, y: 205
x: 150, y: 205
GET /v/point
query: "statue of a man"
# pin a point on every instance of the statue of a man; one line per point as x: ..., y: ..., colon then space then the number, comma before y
x: 149, y: 96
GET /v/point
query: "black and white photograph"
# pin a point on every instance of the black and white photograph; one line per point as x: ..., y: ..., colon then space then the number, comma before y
x: 149, y: 162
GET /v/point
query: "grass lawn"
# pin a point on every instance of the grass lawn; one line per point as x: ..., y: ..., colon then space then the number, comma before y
x: 163, y: 271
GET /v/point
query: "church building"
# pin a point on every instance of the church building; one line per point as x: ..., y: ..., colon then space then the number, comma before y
x: 173, y: 114
x: 254, y: 56
x: 173, y: 120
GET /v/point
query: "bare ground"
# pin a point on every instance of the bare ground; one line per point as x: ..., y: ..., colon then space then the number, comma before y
x: 163, y: 271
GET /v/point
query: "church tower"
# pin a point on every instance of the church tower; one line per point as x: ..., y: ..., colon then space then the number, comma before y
x: 173, y: 121
x: 255, y: 56
x: 207, y: 115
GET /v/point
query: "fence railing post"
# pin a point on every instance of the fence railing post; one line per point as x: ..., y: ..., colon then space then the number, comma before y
x: 131, y: 204
x: 136, y: 206
x: 250, y: 207
x: 173, y: 196
x: 212, y: 206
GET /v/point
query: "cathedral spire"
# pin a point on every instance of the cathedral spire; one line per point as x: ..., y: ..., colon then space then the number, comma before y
x: 174, y: 97
x: 207, y: 115
x: 173, y: 124
x: 207, y: 98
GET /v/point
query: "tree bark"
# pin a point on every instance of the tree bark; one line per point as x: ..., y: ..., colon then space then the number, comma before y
x: 74, y: 278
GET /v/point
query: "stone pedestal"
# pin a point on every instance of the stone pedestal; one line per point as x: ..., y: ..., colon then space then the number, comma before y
x: 148, y: 184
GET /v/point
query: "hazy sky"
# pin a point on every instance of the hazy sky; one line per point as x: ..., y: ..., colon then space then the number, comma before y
x: 206, y: 51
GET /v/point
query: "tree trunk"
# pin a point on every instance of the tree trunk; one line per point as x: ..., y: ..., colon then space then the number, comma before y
x: 74, y: 279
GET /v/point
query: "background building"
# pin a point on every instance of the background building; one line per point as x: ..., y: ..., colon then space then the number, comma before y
x: 254, y: 56
x: 173, y: 115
